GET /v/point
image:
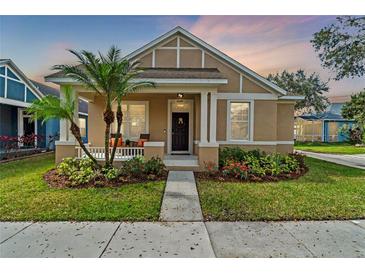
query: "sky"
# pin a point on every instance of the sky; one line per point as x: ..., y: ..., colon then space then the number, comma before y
x: 266, y: 44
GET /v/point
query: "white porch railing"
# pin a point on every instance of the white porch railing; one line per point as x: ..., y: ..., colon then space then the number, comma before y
x: 121, y: 154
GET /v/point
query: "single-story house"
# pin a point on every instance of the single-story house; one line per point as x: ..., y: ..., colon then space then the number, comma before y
x: 203, y: 100
x: 323, y: 127
x: 16, y: 93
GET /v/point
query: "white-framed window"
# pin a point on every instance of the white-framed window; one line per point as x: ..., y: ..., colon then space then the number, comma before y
x: 135, y: 119
x: 239, y: 120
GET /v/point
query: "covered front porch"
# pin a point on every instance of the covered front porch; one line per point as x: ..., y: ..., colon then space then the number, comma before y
x: 179, y: 120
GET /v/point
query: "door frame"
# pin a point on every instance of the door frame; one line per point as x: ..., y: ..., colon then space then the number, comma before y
x: 170, y: 110
x: 21, y: 117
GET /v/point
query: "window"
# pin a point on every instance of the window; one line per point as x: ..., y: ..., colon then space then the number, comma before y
x: 239, y: 123
x: 82, y: 125
x: 135, y: 119
x: 16, y: 90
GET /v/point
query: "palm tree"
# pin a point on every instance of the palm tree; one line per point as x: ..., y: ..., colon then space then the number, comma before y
x: 50, y: 107
x: 129, y: 71
x: 102, y: 74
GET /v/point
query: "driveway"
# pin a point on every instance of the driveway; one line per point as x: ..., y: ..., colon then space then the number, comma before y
x: 356, y: 160
x: 183, y: 239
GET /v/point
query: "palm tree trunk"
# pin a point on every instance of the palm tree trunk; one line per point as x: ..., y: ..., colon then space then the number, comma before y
x: 108, y: 119
x: 117, y: 136
x: 76, y: 132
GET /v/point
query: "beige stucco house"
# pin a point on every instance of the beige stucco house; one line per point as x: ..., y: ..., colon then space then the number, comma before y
x: 203, y: 100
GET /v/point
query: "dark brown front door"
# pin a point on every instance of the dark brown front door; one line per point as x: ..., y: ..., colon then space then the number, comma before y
x: 180, y: 131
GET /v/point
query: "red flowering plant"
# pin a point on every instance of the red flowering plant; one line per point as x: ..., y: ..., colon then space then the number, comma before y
x: 30, y: 140
x: 235, y: 169
x: 211, y: 168
x: 8, y: 142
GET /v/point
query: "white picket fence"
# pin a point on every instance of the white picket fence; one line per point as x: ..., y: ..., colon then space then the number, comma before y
x: 121, y: 154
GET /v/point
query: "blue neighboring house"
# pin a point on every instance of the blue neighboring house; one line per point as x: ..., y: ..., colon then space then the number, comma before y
x: 323, y: 127
x: 16, y: 93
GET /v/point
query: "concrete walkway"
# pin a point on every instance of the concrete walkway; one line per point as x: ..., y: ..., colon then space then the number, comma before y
x: 356, y: 160
x: 183, y: 239
x: 181, y: 200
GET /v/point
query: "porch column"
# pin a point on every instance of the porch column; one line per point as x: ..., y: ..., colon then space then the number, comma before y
x: 75, y: 118
x: 65, y: 147
x: 63, y: 124
x: 203, y: 117
x: 213, y: 118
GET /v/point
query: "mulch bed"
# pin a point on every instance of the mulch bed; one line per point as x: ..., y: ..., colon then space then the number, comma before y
x: 56, y: 180
x: 220, y: 177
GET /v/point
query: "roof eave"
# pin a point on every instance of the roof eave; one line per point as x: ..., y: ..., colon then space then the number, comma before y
x: 154, y: 80
x: 292, y: 98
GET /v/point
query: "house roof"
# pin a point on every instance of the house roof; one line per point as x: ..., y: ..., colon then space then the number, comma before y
x: 339, y: 99
x: 39, y: 88
x: 30, y: 84
x: 330, y: 114
x: 163, y: 73
x: 212, y: 50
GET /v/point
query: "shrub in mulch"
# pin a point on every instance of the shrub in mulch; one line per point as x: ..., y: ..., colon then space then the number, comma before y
x: 238, y: 165
x: 82, y: 173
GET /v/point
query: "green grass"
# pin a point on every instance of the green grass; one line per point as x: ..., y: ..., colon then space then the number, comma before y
x: 327, y: 191
x: 24, y: 196
x: 334, y: 148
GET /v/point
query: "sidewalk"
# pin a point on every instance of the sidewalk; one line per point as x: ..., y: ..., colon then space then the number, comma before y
x: 356, y: 160
x: 183, y: 239
x: 181, y: 199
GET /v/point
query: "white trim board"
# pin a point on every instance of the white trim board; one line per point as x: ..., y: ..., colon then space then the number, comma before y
x: 263, y: 143
x: 12, y: 102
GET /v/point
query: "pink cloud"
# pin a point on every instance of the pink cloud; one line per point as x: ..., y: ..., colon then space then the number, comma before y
x: 219, y: 28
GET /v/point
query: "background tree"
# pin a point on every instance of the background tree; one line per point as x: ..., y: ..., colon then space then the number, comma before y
x: 355, y: 109
x: 309, y: 86
x: 341, y: 46
x: 50, y: 107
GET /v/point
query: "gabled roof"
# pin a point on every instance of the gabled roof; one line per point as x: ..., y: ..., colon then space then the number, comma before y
x: 14, y: 67
x: 179, y: 30
x: 39, y: 88
x: 210, y: 49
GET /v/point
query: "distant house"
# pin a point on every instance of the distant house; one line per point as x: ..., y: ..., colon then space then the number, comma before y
x: 16, y: 93
x: 323, y: 127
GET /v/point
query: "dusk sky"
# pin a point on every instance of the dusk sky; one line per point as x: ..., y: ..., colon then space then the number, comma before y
x: 266, y: 44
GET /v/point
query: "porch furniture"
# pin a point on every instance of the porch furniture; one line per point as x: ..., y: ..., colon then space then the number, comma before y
x: 112, y: 141
x: 142, y: 139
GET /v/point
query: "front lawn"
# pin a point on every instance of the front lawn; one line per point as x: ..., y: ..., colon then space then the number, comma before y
x: 333, y: 148
x: 327, y: 191
x: 25, y: 196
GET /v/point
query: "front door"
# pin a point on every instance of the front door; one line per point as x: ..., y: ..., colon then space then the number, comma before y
x: 180, y: 131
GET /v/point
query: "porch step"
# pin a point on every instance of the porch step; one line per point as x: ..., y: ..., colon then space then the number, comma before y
x: 181, y: 162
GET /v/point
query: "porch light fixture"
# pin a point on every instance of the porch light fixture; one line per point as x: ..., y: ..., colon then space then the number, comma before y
x: 180, y: 95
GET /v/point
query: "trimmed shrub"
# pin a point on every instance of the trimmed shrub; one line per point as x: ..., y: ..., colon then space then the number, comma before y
x: 78, y: 171
x: 154, y: 166
x: 138, y: 167
x: 238, y: 163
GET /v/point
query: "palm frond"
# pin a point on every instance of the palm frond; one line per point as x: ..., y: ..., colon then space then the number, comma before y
x: 52, y: 107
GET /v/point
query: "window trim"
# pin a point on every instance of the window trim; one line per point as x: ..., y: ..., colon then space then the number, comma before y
x: 250, y: 120
x: 147, y: 114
